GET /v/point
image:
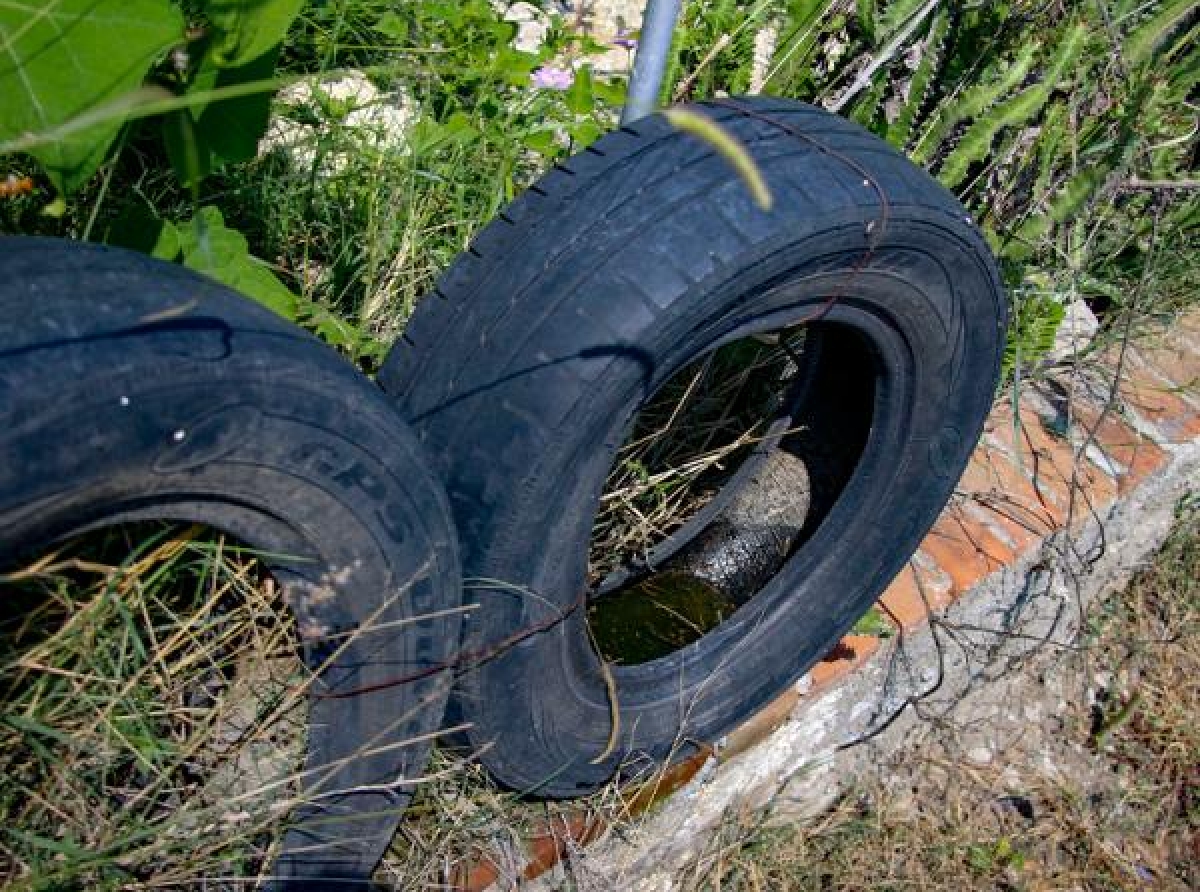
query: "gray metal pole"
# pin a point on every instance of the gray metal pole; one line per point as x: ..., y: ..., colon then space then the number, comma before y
x: 650, y: 63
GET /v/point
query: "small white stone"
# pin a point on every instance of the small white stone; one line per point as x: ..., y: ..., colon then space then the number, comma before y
x: 362, y: 116
x: 1079, y: 325
x: 532, y: 26
x: 178, y: 436
x: 980, y: 755
x: 124, y: 401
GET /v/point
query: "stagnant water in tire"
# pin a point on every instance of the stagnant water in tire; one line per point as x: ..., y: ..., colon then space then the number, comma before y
x: 757, y: 405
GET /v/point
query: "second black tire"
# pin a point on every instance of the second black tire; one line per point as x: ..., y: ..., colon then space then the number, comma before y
x: 522, y: 372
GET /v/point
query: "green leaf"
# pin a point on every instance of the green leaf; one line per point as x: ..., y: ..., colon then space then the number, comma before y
x: 62, y: 58
x: 584, y: 134
x: 187, y: 156
x: 543, y: 142
x: 579, y: 97
x: 922, y: 80
x: 233, y: 127
x: 246, y: 29
x: 975, y: 101
x: 1013, y: 112
x: 210, y: 247
x: 392, y: 26
x: 227, y: 131
x: 866, y: 18
x: 1031, y: 329
x: 138, y: 229
x: 514, y: 66
x: 896, y: 16
x: 791, y: 66
x: 1142, y: 43
x: 609, y: 92
x: 429, y: 134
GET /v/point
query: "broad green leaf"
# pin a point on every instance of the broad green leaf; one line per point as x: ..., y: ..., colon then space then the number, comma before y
x: 248, y: 28
x: 233, y: 127
x: 584, y: 134
x: 542, y: 141
x: 61, y: 58
x: 609, y: 92
x: 201, y: 138
x: 579, y: 97
x: 138, y: 229
x: 210, y: 247
x: 515, y: 66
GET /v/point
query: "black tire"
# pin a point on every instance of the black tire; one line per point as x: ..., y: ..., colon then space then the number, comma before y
x: 134, y: 390
x: 522, y: 372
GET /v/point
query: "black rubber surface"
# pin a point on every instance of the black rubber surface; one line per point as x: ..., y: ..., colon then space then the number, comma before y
x: 521, y: 374
x: 132, y: 389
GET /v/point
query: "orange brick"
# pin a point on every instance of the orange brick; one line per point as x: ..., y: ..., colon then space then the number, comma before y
x: 1089, y: 488
x: 546, y: 849
x: 1190, y: 321
x: 473, y: 876
x: 1065, y: 487
x: 1155, y: 399
x: 1096, y: 492
x: 847, y: 656
x: 663, y: 784
x: 995, y: 483
x: 1175, y: 355
x: 1046, y: 461
x: 920, y: 582
x: 965, y: 549
x: 546, y: 845
x: 1137, y: 456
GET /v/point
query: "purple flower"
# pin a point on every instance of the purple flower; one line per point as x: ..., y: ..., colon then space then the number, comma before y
x: 625, y: 40
x: 550, y: 78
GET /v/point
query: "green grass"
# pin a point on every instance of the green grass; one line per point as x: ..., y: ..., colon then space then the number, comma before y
x: 1044, y: 118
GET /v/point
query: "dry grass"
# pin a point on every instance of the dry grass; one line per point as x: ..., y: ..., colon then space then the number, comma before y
x: 1102, y: 796
x: 686, y: 442
x: 153, y: 728
x: 153, y: 713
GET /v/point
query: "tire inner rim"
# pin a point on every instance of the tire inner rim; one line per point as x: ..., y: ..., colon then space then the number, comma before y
x: 728, y: 469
